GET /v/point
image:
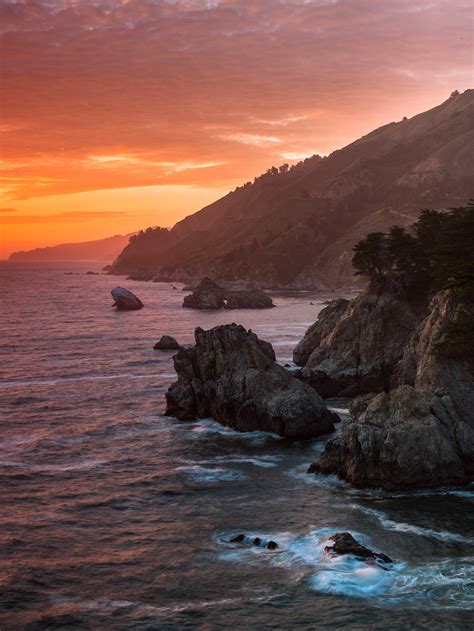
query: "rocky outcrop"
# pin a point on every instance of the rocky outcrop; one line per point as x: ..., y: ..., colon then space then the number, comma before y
x: 436, y: 359
x: 166, y: 343
x: 403, y: 440
x: 327, y: 320
x: 421, y: 434
x: 232, y: 376
x: 354, y: 347
x: 125, y: 299
x: 209, y: 294
x: 344, y: 543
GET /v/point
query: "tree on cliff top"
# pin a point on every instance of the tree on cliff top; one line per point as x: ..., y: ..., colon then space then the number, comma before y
x: 437, y: 254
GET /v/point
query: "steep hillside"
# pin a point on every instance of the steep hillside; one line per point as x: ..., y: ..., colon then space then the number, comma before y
x: 99, y: 250
x: 297, y: 226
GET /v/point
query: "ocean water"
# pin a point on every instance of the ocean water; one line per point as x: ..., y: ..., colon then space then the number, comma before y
x: 113, y: 516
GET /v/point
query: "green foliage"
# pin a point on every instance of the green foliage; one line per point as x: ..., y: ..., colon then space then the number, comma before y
x: 438, y: 254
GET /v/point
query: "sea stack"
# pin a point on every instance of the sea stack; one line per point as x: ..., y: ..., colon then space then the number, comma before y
x: 232, y: 376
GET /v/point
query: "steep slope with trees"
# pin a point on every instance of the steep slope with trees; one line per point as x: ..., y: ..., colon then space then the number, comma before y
x: 297, y: 225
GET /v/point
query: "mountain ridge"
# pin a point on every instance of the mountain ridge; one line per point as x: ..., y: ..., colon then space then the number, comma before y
x: 104, y: 250
x: 296, y: 226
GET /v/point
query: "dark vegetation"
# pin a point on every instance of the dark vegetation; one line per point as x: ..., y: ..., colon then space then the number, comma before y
x: 435, y: 254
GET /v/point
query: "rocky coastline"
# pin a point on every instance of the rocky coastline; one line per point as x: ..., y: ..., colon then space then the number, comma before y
x: 412, y: 421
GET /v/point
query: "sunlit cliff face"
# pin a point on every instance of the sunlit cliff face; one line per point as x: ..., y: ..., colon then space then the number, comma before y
x: 117, y: 115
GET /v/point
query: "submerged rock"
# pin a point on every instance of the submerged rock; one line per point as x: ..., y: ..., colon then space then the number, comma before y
x: 212, y: 295
x: 166, y: 343
x: 232, y: 376
x: 125, y: 299
x: 238, y: 539
x: 344, y: 543
x: 257, y: 541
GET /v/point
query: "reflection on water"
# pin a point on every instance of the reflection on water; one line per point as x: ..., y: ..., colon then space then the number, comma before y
x: 116, y: 517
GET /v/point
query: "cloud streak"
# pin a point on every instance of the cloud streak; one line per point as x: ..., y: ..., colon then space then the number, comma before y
x: 102, y: 93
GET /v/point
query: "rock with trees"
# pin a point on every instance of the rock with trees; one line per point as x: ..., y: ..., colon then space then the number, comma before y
x: 415, y: 428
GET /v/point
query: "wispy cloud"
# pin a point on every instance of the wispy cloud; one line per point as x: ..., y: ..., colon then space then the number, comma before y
x: 107, y: 93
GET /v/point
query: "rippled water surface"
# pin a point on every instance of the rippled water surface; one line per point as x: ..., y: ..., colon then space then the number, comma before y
x: 114, y: 516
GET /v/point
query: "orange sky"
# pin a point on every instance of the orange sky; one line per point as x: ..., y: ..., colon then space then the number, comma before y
x: 117, y: 115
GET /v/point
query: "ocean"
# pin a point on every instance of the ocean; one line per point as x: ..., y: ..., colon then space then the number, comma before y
x: 114, y: 516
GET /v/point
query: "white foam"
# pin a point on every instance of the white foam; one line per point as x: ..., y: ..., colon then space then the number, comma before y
x: 210, y: 426
x: 391, y: 524
x: 446, y: 583
x: 201, y: 474
x: 265, y: 461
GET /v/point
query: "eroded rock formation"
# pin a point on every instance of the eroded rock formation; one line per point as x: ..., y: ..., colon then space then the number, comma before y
x: 354, y: 347
x: 231, y: 375
x: 421, y: 433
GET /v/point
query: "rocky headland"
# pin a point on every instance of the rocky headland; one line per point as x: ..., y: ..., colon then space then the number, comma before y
x: 416, y: 426
x: 232, y: 376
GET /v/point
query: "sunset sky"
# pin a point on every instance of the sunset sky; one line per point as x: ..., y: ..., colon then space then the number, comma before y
x: 118, y: 115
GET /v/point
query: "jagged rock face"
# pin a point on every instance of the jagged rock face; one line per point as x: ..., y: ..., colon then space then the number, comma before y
x: 231, y: 376
x: 125, y: 299
x: 344, y: 543
x: 327, y: 320
x: 427, y: 362
x: 403, y: 440
x: 209, y: 294
x: 357, y: 345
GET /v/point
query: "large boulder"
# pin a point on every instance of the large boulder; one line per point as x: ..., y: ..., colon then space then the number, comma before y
x: 355, y: 347
x: 125, y: 299
x: 403, y: 440
x: 232, y: 376
x: 210, y: 294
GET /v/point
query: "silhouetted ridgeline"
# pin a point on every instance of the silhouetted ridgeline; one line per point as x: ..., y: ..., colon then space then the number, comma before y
x: 98, y: 250
x: 297, y: 226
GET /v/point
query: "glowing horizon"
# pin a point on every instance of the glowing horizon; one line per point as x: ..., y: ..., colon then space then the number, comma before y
x: 120, y: 115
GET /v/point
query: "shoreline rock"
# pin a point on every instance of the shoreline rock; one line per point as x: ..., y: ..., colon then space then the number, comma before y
x: 232, y: 376
x: 401, y: 441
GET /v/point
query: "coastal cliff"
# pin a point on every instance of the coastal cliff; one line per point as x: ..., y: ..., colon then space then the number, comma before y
x: 409, y: 354
x: 415, y: 435
x: 295, y: 226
